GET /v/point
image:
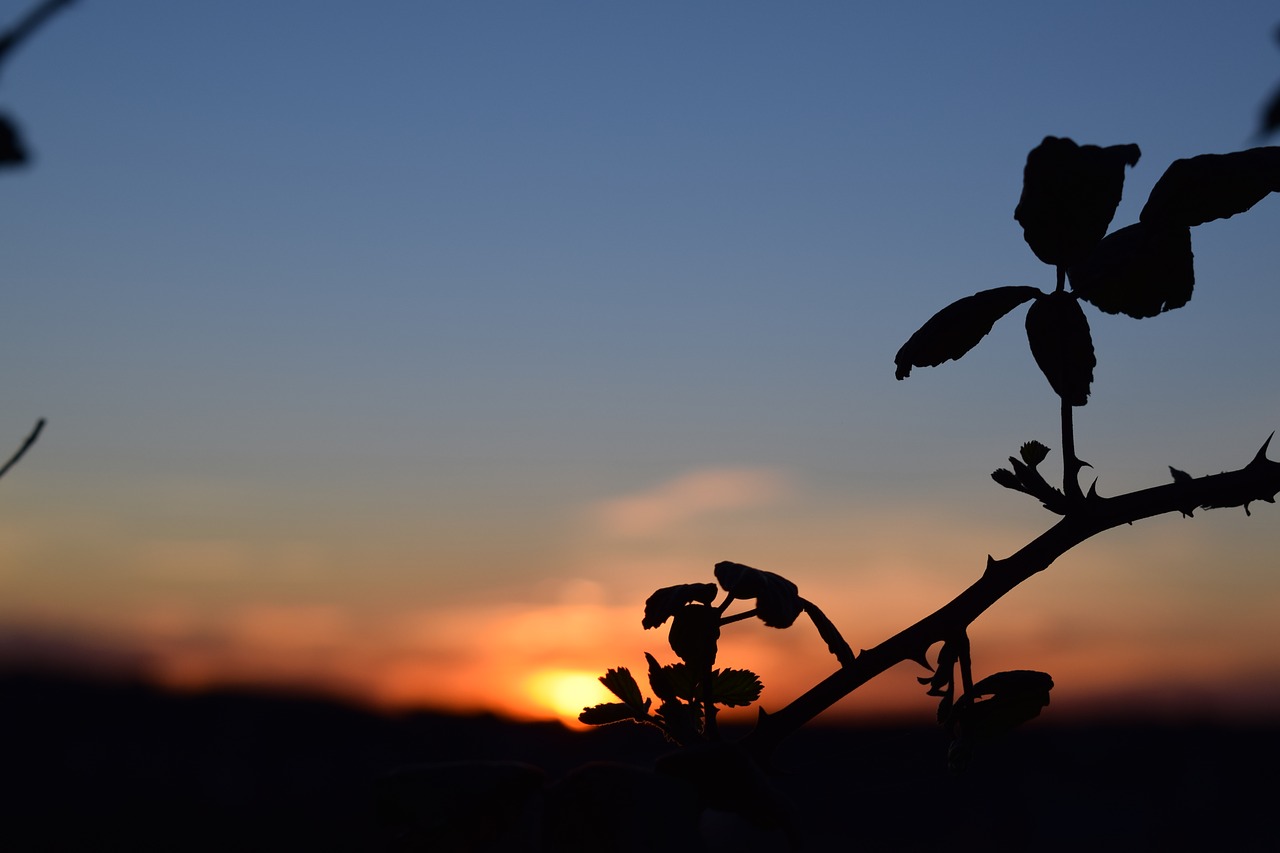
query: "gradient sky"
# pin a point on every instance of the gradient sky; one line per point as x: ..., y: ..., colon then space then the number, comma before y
x: 404, y: 348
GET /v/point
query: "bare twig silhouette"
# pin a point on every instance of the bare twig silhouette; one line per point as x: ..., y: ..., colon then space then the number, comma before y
x: 19, y: 32
x: 21, y: 451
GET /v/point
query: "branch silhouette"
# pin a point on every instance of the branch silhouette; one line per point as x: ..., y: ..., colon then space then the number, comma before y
x: 21, y: 451
x: 1257, y: 481
x: 1070, y: 194
x: 28, y: 24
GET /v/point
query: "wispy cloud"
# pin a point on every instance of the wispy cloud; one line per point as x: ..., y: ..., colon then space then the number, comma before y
x: 690, y: 496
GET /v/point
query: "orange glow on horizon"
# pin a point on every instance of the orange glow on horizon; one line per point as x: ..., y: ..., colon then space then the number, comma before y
x: 565, y: 692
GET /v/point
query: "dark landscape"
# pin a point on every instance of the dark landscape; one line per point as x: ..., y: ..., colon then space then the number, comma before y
x: 101, y: 765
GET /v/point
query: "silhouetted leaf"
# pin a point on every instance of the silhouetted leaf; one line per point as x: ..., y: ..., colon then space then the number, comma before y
x: 682, y: 723
x: 1140, y: 270
x: 1213, y: 186
x: 1008, y: 479
x: 695, y: 629
x: 1033, y: 453
x: 1014, y: 698
x: 1069, y: 195
x: 621, y: 684
x: 12, y: 151
x: 664, y: 603
x: 1062, y: 346
x: 673, y: 681
x: 735, y: 687
x: 660, y: 679
x: 777, y: 599
x: 603, y: 715
x: 829, y: 633
x: 956, y: 329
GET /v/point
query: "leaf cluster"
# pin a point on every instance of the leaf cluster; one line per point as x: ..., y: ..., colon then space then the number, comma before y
x: 1069, y: 196
x: 689, y: 692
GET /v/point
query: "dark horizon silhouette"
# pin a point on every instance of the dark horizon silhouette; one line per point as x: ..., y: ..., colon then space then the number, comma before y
x: 92, y: 764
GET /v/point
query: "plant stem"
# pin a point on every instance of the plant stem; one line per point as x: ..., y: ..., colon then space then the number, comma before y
x: 1071, y: 465
x: 1259, y: 480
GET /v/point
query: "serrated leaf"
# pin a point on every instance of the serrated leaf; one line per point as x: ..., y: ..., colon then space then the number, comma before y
x: 1069, y: 195
x: 682, y: 723
x: 684, y: 679
x: 660, y: 680
x: 1033, y: 453
x: 1213, y: 186
x: 959, y: 327
x: 735, y: 687
x: 777, y: 599
x: 695, y: 630
x: 1008, y: 479
x: 621, y: 684
x: 664, y: 603
x: 606, y: 713
x: 1141, y: 270
x: 1058, y: 333
x: 672, y: 681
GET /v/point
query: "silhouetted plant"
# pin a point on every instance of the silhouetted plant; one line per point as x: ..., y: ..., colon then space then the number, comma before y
x: 1069, y: 196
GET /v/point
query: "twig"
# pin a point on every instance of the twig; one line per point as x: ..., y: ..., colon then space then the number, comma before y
x: 19, y: 31
x: 31, y: 439
x: 1259, y: 480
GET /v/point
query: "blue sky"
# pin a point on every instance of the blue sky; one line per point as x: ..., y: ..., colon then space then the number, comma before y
x: 348, y: 313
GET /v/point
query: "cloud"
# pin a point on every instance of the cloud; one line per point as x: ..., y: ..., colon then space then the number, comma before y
x: 689, y: 497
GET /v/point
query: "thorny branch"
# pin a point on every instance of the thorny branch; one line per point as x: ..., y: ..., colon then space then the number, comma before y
x: 1257, y: 481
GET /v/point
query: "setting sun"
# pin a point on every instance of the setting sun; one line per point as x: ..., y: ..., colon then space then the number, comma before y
x: 565, y: 692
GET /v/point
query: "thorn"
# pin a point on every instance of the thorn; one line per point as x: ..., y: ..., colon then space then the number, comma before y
x: 1093, y: 491
x: 1261, y: 455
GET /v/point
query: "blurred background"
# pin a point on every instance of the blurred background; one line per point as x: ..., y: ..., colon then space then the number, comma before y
x: 398, y: 351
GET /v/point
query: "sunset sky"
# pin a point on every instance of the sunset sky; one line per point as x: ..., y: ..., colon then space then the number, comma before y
x: 403, y: 348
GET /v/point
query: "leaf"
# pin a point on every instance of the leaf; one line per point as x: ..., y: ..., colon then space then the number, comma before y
x: 777, y: 599
x: 1015, y: 682
x: 735, y: 687
x: 959, y: 327
x: 671, y: 682
x: 12, y: 151
x: 1213, y: 186
x: 682, y: 723
x: 1033, y: 453
x: 1140, y: 270
x: 660, y: 679
x: 695, y: 629
x: 621, y: 684
x: 827, y: 630
x: 664, y: 603
x: 1069, y: 196
x: 1015, y: 697
x: 1062, y: 346
x: 1008, y: 479
x: 607, y: 713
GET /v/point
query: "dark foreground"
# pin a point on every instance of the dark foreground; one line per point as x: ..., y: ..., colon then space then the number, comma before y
x: 90, y: 765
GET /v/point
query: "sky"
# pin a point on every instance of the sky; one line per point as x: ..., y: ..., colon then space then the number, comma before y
x: 401, y: 349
